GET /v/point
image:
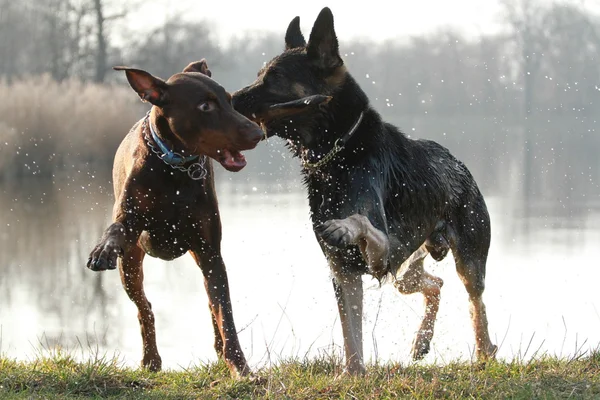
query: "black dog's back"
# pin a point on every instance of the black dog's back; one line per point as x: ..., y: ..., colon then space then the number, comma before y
x: 424, y: 192
x: 433, y: 194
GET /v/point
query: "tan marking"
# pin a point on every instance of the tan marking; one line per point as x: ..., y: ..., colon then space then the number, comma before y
x: 484, y: 348
x: 412, y: 278
x: 338, y: 77
x: 299, y: 90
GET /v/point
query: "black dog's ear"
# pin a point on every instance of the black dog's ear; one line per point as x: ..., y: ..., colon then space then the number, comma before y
x: 323, y: 44
x: 147, y: 86
x: 293, y: 35
x: 198, y: 66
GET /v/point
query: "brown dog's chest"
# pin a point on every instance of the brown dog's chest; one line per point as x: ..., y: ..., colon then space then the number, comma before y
x: 172, y: 214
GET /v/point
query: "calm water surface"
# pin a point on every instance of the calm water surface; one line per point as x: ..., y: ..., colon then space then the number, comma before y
x: 541, y: 291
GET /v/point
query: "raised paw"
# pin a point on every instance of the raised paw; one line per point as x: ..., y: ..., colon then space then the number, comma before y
x: 104, y: 256
x: 338, y: 233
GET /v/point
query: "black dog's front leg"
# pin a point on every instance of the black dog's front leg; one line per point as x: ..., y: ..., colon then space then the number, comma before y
x: 358, y: 230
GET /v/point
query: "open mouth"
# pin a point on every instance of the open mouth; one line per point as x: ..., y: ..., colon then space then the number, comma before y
x: 261, y: 120
x: 232, y: 160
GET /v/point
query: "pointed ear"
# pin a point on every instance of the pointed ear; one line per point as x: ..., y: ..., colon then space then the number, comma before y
x: 322, y: 45
x: 147, y: 86
x: 198, y: 66
x: 293, y: 35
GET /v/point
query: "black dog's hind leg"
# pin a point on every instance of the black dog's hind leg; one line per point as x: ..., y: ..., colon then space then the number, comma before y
x: 470, y: 242
x: 472, y: 273
x: 412, y: 278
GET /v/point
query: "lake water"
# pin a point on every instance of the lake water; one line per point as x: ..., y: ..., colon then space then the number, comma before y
x: 542, y: 281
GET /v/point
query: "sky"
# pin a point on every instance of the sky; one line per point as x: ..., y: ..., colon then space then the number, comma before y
x: 373, y: 19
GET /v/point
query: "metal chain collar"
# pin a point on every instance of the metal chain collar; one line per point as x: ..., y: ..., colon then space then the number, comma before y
x: 328, y: 157
x: 195, y: 171
x: 337, y: 147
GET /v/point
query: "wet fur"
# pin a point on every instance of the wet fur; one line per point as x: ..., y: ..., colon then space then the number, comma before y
x: 413, y: 192
x: 162, y: 212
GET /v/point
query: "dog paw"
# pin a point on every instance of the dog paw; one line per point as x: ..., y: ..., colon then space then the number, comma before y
x: 354, y: 369
x: 104, y: 256
x: 420, y: 348
x: 484, y: 355
x: 337, y: 233
x: 152, y: 363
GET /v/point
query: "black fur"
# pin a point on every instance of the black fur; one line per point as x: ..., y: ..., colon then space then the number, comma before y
x: 413, y: 190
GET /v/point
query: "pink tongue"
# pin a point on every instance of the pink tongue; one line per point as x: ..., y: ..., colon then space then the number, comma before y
x: 233, y: 160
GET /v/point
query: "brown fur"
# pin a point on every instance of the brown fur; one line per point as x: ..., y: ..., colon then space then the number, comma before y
x: 161, y: 211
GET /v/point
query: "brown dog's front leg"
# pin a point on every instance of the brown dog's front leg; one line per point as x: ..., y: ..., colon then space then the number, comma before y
x: 358, y: 230
x: 217, y: 289
x: 111, y: 246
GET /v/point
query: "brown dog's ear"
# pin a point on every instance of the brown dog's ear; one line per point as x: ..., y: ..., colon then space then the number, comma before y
x: 147, y: 86
x: 198, y: 66
x: 323, y: 46
x: 293, y: 35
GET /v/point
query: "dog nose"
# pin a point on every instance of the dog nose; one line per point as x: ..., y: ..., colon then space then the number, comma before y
x: 256, y: 135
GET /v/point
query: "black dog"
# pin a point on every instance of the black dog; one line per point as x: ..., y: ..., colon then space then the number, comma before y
x: 380, y: 202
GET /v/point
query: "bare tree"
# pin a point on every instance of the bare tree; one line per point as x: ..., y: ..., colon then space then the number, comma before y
x: 528, y: 22
x: 100, y: 42
x: 167, y: 49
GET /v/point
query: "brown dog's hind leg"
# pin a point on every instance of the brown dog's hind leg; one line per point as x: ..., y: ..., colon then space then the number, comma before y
x: 217, y: 289
x: 413, y: 278
x: 132, y: 277
x: 218, y: 345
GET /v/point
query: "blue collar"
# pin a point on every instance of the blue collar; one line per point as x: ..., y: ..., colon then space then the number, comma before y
x: 168, y: 156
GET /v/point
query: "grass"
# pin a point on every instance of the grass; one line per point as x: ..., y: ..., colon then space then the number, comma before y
x: 59, y: 375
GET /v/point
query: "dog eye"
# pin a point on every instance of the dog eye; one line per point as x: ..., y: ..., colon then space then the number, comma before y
x: 206, y: 106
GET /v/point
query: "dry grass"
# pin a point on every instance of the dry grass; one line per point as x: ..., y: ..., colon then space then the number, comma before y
x: 46, y: 126
x: 58, y: 375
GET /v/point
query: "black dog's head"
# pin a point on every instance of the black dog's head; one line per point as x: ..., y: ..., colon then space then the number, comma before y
x: 290, y: 93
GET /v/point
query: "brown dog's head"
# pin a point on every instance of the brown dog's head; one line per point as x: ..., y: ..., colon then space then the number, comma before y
x: 194, y: 113
x: 312, y: 70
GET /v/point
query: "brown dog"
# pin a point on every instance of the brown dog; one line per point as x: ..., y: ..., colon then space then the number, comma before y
x: 165, y: 196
